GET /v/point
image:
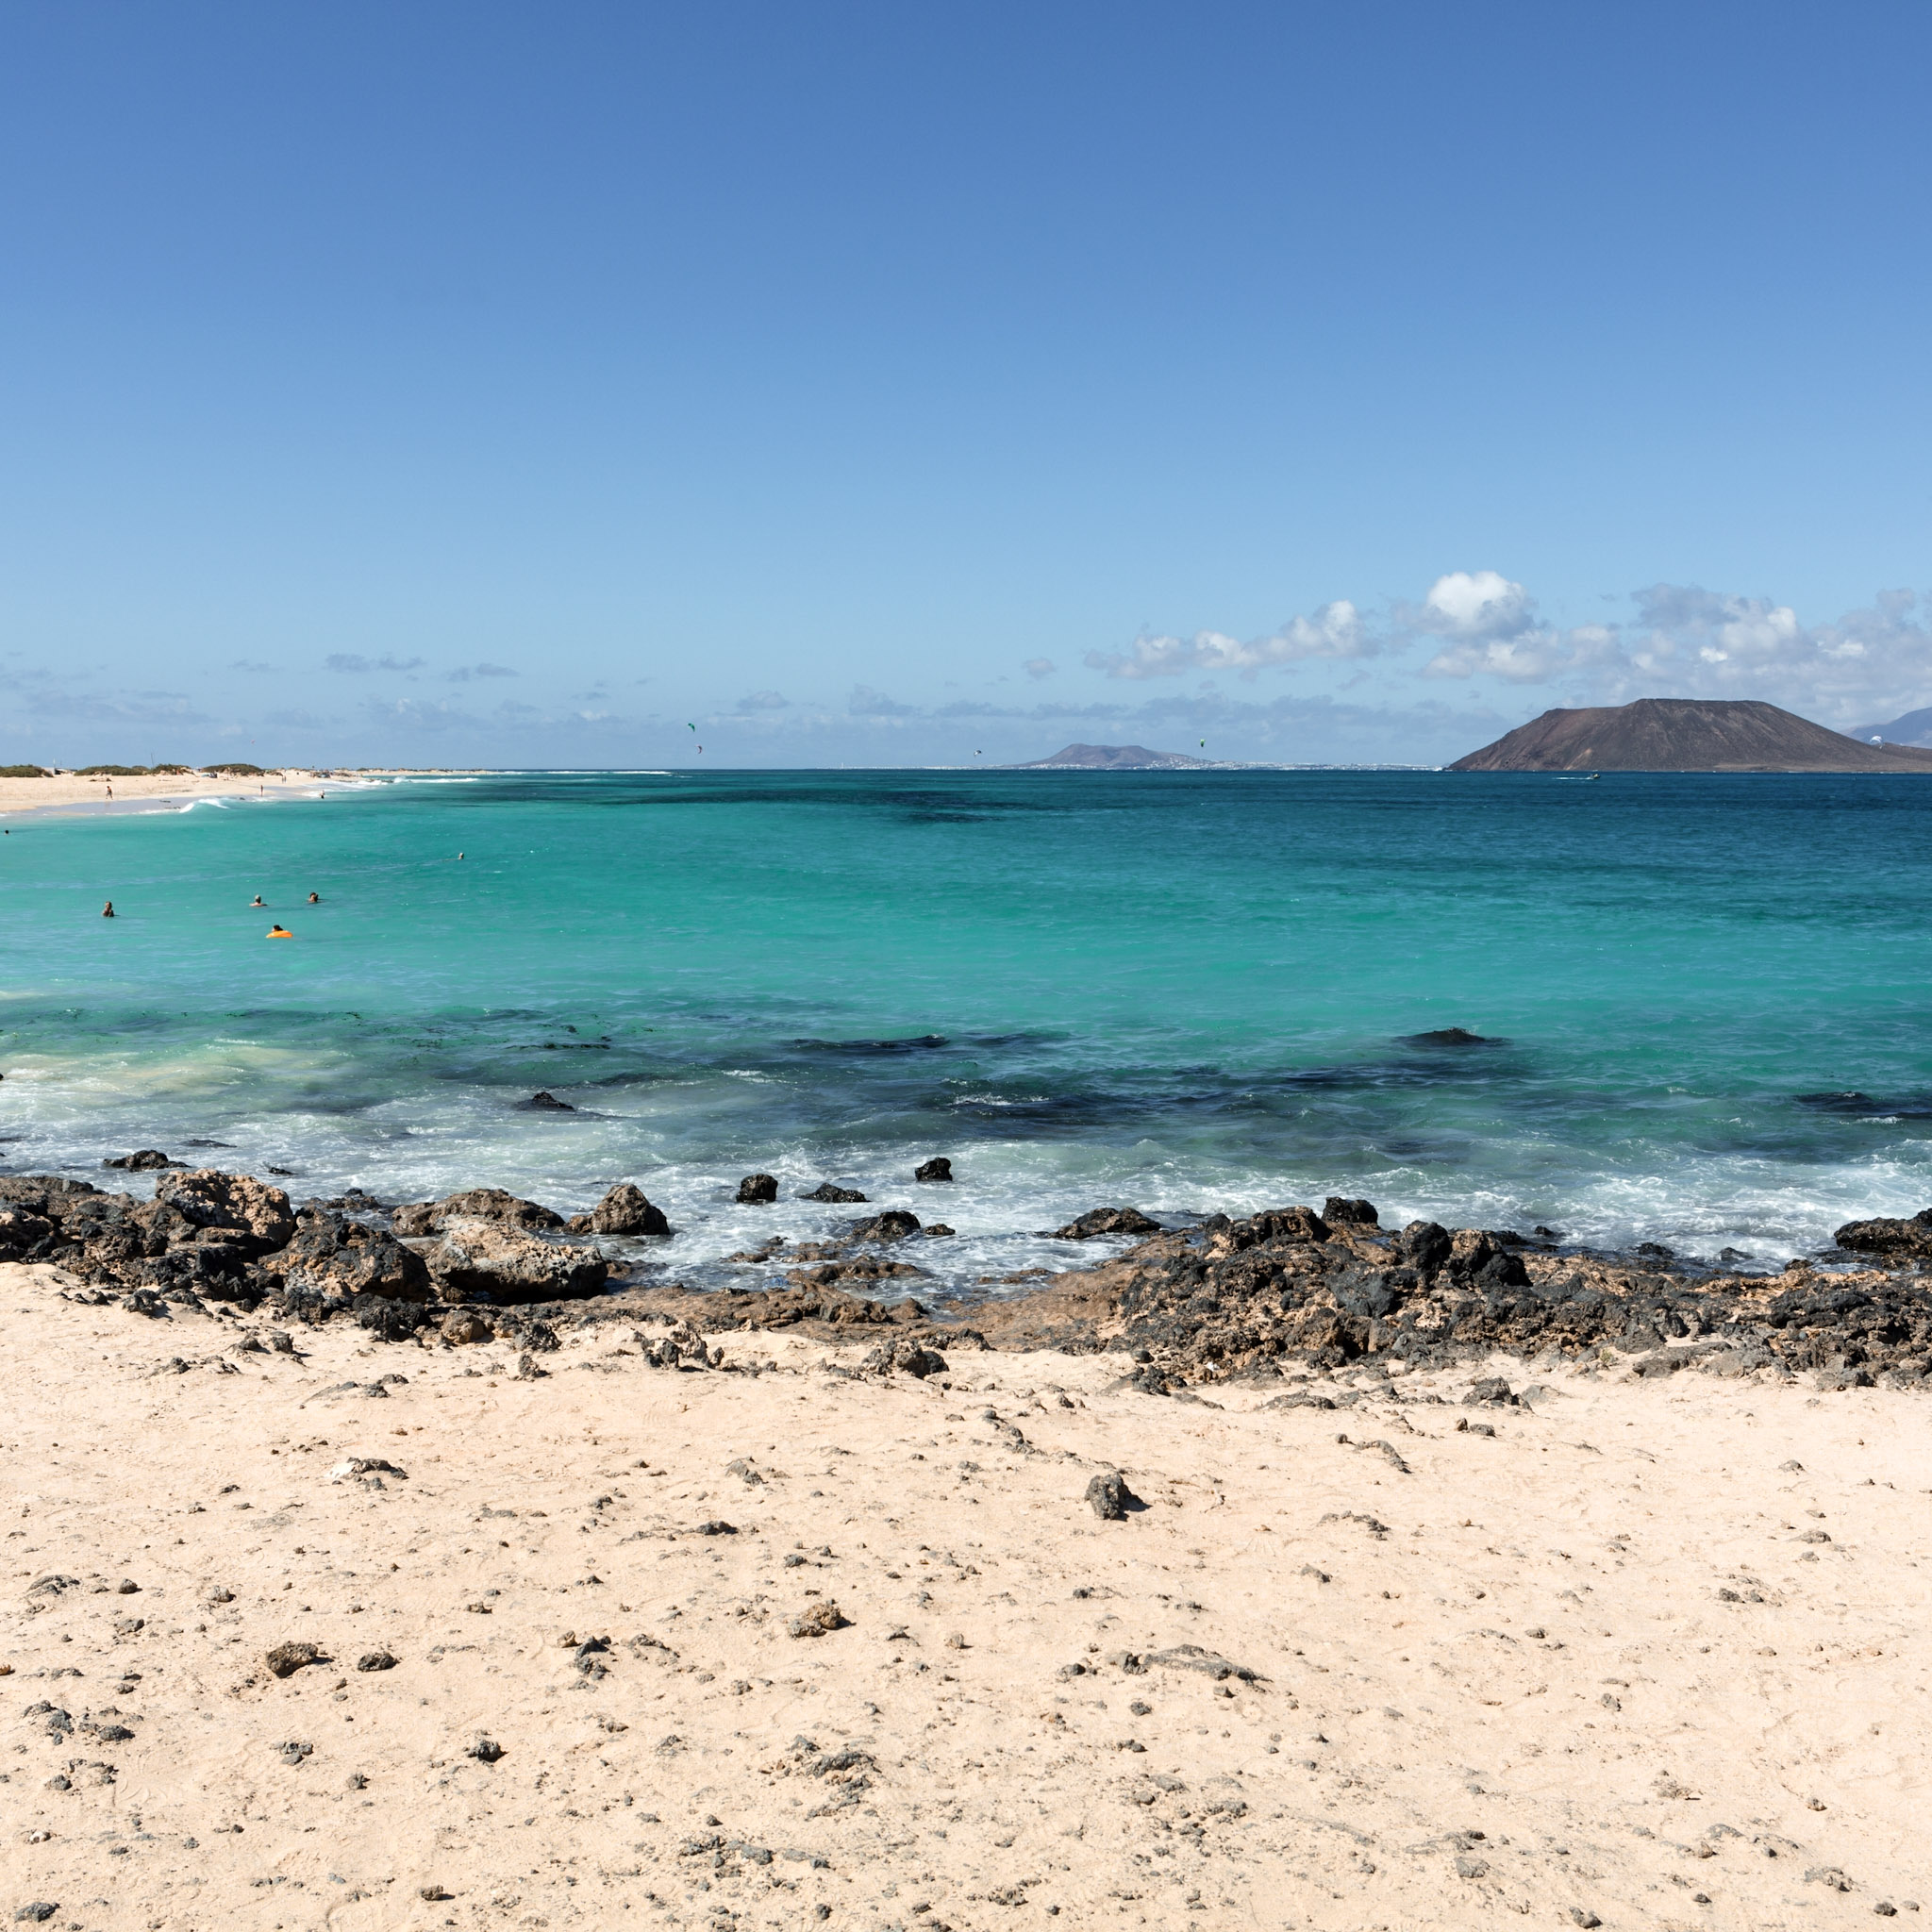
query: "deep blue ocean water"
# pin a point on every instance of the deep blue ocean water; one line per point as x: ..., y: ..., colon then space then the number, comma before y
x: 1703, y: 1001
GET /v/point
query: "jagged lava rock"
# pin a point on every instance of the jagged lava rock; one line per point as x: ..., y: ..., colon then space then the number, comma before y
x: 332, y: 1256
x: 1341, y: 1211
x: 624, y: 1210
x: 486, y: 1261
x: 242, y: 1207
x: 1098, y: 1221
x: 21, y: 1232
x: 1913, y: 1236
x: 906, y: 1354
x: 938, y: 1169
x: 895, y: 1224
x: 1244, y: 1296
x: 1110, y: 1497
x: 473, y: 1204
x: 758, y: 1190
x: 854, y: 1268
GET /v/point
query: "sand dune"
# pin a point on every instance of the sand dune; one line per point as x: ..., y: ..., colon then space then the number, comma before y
x: 1652, y: 1652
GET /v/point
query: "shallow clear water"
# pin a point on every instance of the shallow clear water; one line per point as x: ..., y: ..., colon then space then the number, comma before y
x: 1184, y: 992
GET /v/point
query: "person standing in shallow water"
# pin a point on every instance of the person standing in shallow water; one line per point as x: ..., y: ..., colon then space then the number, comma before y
x: 108, y: 910
x: 315, y: 898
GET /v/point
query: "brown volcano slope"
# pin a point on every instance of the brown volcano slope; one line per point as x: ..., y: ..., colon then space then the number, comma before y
x: 1685, y: 735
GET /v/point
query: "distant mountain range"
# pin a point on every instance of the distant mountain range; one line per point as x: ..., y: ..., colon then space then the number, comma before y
x: 1689, y: 734
x: 1115, y: 757
x: 1914, y: 727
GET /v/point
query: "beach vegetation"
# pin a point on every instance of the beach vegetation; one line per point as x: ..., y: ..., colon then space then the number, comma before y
x: 24, y: 772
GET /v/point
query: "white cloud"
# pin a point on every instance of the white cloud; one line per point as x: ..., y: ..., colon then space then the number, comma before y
x: 43, y: 691
x: 1476, y: 603
x: 1037, y: 668
x: 354, y: 664
x: 1336, y: 630
x: 764, y: 701
x: 1527, y: 657
x: 1693, y: 643
x: 1686, y: 642
x: 1495, y: 631
x: 415, y: 715
x: 867, y: 703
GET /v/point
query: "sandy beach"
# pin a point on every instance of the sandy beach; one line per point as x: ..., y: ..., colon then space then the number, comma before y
x: 69, y: 790
x: 1635, y: 1652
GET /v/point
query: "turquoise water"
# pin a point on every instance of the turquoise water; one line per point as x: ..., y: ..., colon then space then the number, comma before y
x: 1187, y: 991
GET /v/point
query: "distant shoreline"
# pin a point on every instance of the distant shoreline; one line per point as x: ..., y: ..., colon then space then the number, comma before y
x: 71, y: 795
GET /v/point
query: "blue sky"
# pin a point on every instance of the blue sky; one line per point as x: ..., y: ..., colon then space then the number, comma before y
x: 898, y: 384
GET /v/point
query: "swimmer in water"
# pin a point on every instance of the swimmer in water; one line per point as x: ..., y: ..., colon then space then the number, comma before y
x: 108, y: 910
x: 315, y: 898
x: 257, y: 899
x: 280, y: 932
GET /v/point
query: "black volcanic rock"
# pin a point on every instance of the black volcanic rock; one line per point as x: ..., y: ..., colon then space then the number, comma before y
x: 1685, y: 735
x: 1900, y: 1238
x: 895, y: 1224
x: 1345, y: 1210
x: 242, y: 1208
x: 333, y: 1255
x: 415, y: 1218
x: 485, y: 1261
x: 758, y: 1190
x: 1424, y: 1245
x: 1250, y: 1297
x: 625, y: 1210
x: 1098, y: 1221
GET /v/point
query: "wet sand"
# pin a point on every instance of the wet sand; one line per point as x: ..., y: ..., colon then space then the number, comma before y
x: 1652, y: 1652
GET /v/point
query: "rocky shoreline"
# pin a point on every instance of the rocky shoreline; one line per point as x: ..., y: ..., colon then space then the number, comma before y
x: 1271, y: 1295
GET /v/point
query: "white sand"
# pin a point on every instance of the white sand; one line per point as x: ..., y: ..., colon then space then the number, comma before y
x: 1535, y: 1650
x: 18, y: 795
x: 69, y: 792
